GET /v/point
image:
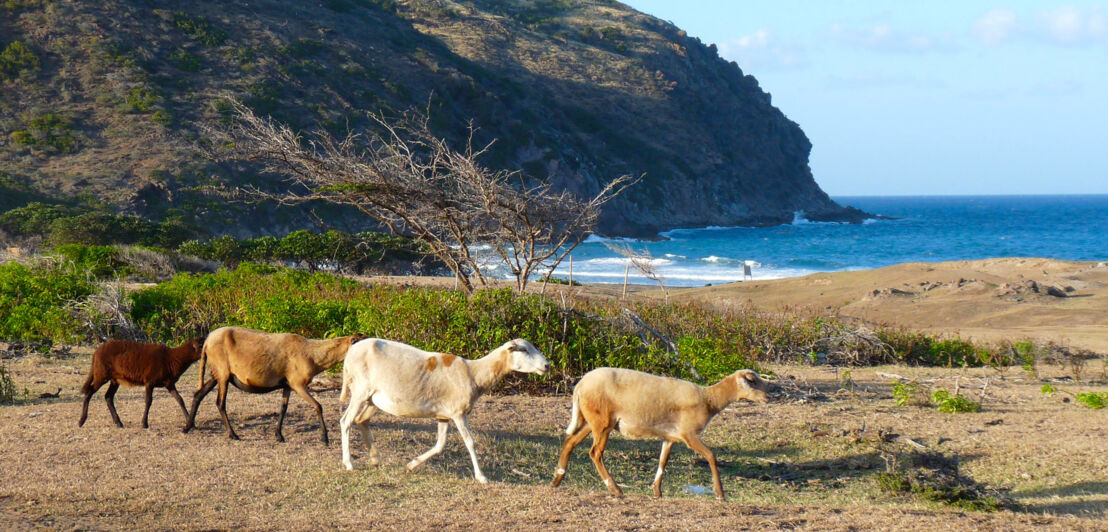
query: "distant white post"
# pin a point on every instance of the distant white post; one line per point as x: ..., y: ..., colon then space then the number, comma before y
x: 746, y: 271
x: 626, y: 270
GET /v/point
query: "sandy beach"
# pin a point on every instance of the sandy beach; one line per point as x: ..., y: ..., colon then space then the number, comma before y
x: 1011, y: 298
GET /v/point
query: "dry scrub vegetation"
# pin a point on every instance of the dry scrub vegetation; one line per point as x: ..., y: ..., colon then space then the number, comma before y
x: 810, y: 460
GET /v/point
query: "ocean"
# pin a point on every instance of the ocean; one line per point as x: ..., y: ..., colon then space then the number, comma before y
x: 926, y: 228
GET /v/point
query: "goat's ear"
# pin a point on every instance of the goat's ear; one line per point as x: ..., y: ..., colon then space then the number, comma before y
x: 750, y: 377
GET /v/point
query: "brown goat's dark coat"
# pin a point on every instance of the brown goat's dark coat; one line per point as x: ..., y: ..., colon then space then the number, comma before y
x: 138, y: 364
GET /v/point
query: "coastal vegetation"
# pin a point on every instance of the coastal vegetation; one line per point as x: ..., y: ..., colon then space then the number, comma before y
x: 46, y: 300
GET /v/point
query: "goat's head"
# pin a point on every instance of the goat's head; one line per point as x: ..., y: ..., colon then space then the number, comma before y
x: 195, y: 345
x: 524, y: 357
x: 357, y: 337
x: 751, y: 387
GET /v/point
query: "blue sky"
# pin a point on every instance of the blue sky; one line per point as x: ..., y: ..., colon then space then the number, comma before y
x: 907, y: 98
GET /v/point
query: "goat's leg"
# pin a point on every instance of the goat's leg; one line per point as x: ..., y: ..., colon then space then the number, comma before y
x: 463, y: 429
x: 196, y: 399
x: 281, y: 417
x: 694, y: 443
x: 89, y: 391
x: 363, y: 426
x: 571, y: 442
x: 599, y: 442
x: 666, y: 446
x: 109, y: 397
x: 357, y: 405
x: 181, y: 402
x: 221, y: 402
x: 439, y: 444
x: 146, y: 411
x: 302, y: 391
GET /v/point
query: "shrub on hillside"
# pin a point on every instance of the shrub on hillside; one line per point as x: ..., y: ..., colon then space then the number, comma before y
x: 17, y: 60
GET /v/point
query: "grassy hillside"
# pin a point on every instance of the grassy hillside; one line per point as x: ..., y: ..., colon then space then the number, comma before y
x: 100, y: 102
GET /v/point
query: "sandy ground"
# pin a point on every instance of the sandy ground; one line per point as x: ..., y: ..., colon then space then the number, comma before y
x: 983, y: 299
x: 792, y: 464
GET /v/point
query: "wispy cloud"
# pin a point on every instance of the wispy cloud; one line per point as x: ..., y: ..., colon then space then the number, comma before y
x: 763, y: 50
x: 1066, y: 25
x: 885, y: 38
x: 1071, y: 25
x: 874, y: 79
x: 995, y: 26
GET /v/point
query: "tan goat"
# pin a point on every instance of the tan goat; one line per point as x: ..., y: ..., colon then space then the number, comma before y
x: 642, y: 406
x: 259, y: 362
x: 408, y: 382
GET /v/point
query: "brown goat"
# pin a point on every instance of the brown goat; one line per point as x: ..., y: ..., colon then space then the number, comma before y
x: 134, y: 364
x: 260, y: 362
x: 642, y: 405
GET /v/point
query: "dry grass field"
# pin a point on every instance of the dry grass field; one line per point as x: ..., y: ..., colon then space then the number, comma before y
x: 808, y: 460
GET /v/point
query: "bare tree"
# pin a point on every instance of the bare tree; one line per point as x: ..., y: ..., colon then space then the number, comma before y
x: 643, y: 261
x: 414, y: 184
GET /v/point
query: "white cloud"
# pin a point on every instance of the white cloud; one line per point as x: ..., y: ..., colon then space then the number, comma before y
x: 1066, y: 25
x: 1071, y: 25
x: 764, y: 50
x: 884, y: 38
x: 995, y: 26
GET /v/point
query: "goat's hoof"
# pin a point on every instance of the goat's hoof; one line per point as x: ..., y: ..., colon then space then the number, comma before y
x: 233, y: 437
x: 412, y: 465
x: 482, y: 479
x: 348, y: 465
x: 280, y: 439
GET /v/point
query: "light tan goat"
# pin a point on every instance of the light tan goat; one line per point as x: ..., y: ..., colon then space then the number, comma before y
x: 408, y: 382
x: 642, y: 406
x: 259, y: 362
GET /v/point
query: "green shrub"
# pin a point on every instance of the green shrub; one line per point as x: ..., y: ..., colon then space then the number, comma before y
x: 16, y: 60
x: 199, y: 29
x: 47, y: 132
x: 8, y: 391
x: 1047, y: 390
x: 141, y: 100
x: 185, y: 60
x: 99, y: 261
x: 1094, y: 400
x: 904, y: 393
x: 33, y: 301
x: 949, y: 404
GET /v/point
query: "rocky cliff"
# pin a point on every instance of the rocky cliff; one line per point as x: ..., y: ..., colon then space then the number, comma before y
x: 100, y: 101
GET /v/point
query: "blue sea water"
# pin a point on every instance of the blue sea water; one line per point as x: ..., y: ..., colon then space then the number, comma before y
x: 928, y: 228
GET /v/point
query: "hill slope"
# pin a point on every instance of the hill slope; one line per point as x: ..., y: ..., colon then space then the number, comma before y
x: 101, y: 99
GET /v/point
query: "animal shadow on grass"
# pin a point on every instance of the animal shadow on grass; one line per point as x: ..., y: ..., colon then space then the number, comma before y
x: 1079, y: 508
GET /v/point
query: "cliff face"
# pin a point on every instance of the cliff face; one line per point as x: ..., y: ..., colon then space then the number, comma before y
x: 107, y: 101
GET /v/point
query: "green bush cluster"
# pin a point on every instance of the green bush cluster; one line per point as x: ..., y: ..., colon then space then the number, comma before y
x: 16, y: 60
x: 199, y: 29
x: 1094, y: 400
x: 314, y: 251
x: 913, y: 347
x: 47, y: 132
x: 60, y: 225
x: 323, y: 305
x: 185, y: 60
x: 33, y: 301
x: 952, y: 404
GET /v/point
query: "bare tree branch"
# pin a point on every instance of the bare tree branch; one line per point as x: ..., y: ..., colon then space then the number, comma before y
x: 413, y: 183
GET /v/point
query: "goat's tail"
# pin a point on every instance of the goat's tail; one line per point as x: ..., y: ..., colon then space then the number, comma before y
x: 345, y: 394
x: 87, y: 388
x: 575, y: 417
x: 203, y: 364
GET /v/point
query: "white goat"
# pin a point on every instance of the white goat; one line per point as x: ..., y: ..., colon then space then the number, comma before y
x: 642, y: 405
x: 408, y: 382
